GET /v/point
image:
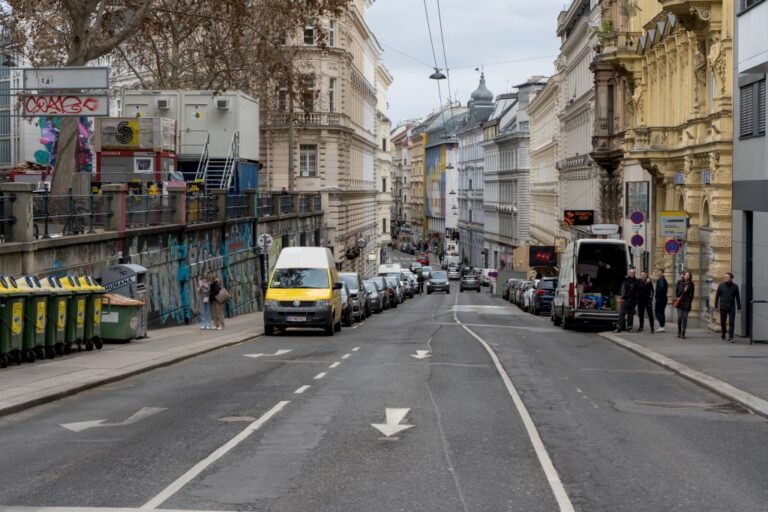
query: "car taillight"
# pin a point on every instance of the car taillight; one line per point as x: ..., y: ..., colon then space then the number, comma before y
x: 541, y: 292
x: 571, y: 295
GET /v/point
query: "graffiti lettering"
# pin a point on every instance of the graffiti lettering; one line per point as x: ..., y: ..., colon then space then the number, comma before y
x: 65, y: 105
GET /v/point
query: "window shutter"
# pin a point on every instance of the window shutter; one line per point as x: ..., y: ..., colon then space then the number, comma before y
x: 746, y: 112
x: 761, y: 107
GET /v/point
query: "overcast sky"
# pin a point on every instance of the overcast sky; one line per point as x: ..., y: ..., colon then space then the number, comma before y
x: 477, y: 33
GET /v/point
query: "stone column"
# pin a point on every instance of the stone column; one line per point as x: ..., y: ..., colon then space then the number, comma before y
x: 251, y: 195
x: 116, y: 194
x: 220, y: 196
x: 177, y: 195
x: 21, y: 208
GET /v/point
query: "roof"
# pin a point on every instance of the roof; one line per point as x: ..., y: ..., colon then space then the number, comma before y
x: 305, y: 257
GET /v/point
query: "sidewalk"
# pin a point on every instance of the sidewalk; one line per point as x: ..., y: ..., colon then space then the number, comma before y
x: 28, y: 385
x: 737, y: 371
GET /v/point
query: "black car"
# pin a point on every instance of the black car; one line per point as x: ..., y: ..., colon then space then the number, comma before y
x: 543, y: 295
x: 376, y: 298
x: 438, y: 282
x: 469, y: 282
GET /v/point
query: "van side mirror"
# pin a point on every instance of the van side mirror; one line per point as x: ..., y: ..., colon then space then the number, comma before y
x: 337, y: 286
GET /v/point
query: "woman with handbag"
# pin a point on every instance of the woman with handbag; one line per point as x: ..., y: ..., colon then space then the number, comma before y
x: 204, y: 289
x: 218, y: 299
x: 683, y: 302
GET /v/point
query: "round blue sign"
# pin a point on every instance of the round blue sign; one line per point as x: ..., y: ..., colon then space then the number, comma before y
x: 672, y: 247
x: 637, y: 241
x: 637, y: 217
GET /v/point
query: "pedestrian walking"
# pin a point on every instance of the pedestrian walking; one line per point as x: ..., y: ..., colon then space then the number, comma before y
x: 728, y: 300
x: 660, y: 299
x: 420, y: 279
x: 645, y: 300
x: 204, y: 292
x: 217, y: 304
x: 684, y: 291
x: 628, y: 302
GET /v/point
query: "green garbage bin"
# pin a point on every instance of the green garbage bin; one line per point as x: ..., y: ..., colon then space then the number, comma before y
x: 92, y: 311
x: 121, y: 317
x: 34, y: 317
x: 75, y: 332
x: 56, y: 316
x: 11, y: 321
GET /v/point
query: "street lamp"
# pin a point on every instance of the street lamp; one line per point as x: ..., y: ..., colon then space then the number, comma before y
x: 437, y: 75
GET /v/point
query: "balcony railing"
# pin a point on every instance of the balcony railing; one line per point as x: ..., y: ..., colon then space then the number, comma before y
x: 6, y: 216
x: 310, y: 119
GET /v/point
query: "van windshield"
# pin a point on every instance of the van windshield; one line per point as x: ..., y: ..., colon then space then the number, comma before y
x: 300, y: 278
x: 601, y: 268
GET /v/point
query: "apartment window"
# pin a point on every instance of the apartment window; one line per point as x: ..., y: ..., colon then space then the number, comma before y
x: 332, y: 95
x: 383, y: 184
x: 752, y: 109
x: 383, y: 225
x: 308, y: 160
x: 282, y: 100
x: 332, y: 33
x: 308, y: 95
x: 610, y: 112
x: 748, y: 4
x: 309, y: 33
x: 470, y: 183
x: 383, y: 144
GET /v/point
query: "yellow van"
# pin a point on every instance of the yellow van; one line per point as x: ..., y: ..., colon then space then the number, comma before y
x: 304, y: 290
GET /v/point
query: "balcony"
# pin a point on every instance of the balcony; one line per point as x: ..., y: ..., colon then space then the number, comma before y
x: 617, y: 48
x: 310, y: 119
x: 753, y: 39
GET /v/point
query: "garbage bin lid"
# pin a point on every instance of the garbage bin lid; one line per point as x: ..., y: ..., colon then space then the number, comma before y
x: 115, y: 299
x: 30, y: 284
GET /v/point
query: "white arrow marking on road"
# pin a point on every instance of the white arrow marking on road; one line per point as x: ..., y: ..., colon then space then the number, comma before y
x: 392, y: 426
x: 421, y: 354
x: 144, y: 412
x: 278, y: 353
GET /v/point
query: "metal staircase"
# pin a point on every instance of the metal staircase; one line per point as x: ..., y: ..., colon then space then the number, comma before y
x: 217, y: 173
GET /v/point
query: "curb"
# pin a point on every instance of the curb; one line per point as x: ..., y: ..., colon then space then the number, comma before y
x: 161, y: 363
x: 753, y: 403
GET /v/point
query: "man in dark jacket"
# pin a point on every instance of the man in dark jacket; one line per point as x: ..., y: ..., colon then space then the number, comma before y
x: 728, y: 300
x: 660, y: 299
x: 645, y: 300
x: 628, y: 302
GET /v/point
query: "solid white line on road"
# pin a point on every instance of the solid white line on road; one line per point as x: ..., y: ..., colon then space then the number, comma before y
x: 563, y: 501
x: 320, y: 375
x: 334, y: 365
x: 356, y: 326
x: 301, y: 389
x: 198, y: 468
x: 345, y: 356
x: 355, y: 349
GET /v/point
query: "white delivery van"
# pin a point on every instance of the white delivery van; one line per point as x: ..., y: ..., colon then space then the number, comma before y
x: 390, y: 269
x: 591, y: 273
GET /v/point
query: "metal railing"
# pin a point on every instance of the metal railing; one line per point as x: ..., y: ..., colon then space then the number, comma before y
x: 57, y: 215
x: 148, y: 210
x: 287, y: 205
x: 202, y: 164
x: 305, y: 204
x: 317, y: 204
x: 201, y: 208
x: 266, y: 206
x: 237, y: 206
x: 6, y: 217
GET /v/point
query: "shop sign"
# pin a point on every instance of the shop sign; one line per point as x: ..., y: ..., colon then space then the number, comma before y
x: 674, y: 224
x: 579, y: 217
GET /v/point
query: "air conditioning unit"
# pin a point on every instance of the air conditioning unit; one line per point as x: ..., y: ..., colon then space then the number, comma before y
x: 222, y: 103
x: 163, y: 103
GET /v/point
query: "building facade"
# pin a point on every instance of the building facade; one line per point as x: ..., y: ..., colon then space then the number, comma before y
x: 400, y: 148
x: 679, y: 130
x: 383, y: 165
x: 545, y: 153
x: 580, y: 178
x: 750, y: 173
x: 334, y: 137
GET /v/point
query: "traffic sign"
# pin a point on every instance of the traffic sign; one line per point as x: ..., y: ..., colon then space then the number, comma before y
x: 265, y: 242
x: 672, y: 247
x: 674, y: 224
x: 637, y: 217
x: 637, y: 241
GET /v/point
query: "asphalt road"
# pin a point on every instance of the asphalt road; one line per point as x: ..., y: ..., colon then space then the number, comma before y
x: 230, y: 432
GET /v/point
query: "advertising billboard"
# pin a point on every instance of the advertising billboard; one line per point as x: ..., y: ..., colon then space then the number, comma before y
x: 542, y: 256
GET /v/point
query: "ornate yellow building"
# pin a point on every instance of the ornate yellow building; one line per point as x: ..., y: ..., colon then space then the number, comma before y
x: 672, y: 63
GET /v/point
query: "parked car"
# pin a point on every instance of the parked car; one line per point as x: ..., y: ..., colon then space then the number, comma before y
x: 415, y: 266
x: 469, y: 282
x: 520, y: 295
x: 386, y: 289
x: 346, y: 305
x: 425, y: 271
x: 543, y: 295
x: 352, y: 280
x: 454, y: 274
x: 423, y: 259
x: 376, y: 296
x: 438, y: 282
x: 396, y: 294
x: 507, y: 287
x: 410, y: 290
x: 514, y: 289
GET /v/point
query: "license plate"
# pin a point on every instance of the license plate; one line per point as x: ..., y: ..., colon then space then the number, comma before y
x: 297, y: 319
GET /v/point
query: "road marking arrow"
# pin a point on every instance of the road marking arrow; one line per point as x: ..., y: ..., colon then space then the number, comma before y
x: 143, y: 413
x: 392, y: 426
x: 421, y: 354
x: 278, y: 353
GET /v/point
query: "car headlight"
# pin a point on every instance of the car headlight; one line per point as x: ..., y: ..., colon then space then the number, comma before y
x: 271, y: 304
x: 323, y: 303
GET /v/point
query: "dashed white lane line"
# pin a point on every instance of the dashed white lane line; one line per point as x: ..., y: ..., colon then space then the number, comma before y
x: 320, y: 375
x: 334, y: 365
x: 198, y: 468
x: 356, y: 326
x: 355, y: 349
x: 553, y: 478
x: 346, y: 356
x: 302, y: 389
